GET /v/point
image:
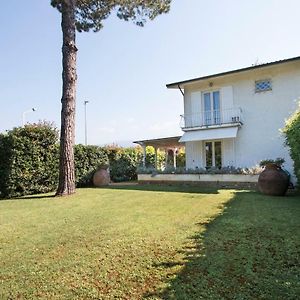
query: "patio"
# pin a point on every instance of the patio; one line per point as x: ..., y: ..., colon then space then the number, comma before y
x: 170, y: 145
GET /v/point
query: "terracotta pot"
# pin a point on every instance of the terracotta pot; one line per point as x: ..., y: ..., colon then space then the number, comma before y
x: 101, y: 177
x: 273, y: 181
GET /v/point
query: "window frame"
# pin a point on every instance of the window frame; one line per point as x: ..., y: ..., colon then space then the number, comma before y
x: 213, y: 153
x: 269, y: 80
x: 213, y: 116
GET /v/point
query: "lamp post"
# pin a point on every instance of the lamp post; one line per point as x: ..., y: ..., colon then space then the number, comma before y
x: 85, y: 122
x: 26, y: 112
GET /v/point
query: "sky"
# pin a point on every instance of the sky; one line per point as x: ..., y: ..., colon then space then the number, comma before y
x: 123, y: 69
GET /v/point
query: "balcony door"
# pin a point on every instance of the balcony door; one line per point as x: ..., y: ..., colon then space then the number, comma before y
x: 211, y: 103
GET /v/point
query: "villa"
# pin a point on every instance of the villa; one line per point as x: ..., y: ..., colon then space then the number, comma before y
x: 235, y: 118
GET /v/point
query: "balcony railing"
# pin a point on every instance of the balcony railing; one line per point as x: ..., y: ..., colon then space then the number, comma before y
x: 211, y: 118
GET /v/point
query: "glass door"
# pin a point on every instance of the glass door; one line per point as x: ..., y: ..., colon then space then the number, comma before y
x: 213, y: 154
x: 212, y: 115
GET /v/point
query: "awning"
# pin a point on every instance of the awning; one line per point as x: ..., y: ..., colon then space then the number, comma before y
x: 209, y: 134
x: 166, y: 142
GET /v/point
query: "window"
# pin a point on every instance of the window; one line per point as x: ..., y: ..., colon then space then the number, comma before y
x: 263, y: 85
x: 213, y: 154
x: 211, y: 105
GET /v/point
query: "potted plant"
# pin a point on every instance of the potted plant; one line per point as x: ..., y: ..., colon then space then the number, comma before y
x: 273, y: 180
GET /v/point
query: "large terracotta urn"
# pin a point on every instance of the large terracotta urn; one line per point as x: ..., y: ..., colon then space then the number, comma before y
x: 101, y: 177
x: 273, y: 180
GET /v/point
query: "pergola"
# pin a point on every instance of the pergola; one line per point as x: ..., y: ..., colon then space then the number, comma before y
x: 167, y: 144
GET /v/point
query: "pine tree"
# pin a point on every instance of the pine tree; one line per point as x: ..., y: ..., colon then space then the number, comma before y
x: 86, y: 15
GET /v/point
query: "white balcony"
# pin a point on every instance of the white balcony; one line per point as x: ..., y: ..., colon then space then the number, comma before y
x: 212, y: 118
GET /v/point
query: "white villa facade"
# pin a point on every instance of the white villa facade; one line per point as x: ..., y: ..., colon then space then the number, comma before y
x: 234, y: 118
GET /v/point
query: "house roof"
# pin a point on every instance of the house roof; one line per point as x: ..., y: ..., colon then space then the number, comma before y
x: 172, y: 142
x: 176, y: 84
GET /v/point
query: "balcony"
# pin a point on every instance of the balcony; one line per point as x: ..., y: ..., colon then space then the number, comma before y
x: 211, y: 119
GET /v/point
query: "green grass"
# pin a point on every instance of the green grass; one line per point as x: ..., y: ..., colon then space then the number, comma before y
x: 150, y: 242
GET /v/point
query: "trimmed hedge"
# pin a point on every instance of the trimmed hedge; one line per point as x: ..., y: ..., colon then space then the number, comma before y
x: 28, y: 160
x: 123, y: 163
x: 292, y: 139
x: 88, y: 159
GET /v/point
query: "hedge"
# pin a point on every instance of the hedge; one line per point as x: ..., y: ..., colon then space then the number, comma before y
x: 124, y: 162
x: 28, y: 160
x: 87, y: 160
x: 292, y: 139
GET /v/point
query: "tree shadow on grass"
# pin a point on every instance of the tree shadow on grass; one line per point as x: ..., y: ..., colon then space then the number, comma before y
x: 250, y: 251
x: 178, y: 188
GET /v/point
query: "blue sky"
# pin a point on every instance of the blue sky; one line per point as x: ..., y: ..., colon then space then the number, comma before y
x: 123, y: 69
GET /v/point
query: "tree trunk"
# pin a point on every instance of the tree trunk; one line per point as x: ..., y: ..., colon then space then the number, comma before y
x: 66, y: 184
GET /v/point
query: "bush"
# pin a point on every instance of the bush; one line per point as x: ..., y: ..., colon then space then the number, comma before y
x: 278, y: 161
x: 123, y: 168
x: 123, y: 163
x: 88, y: 159
x: 181, y: 170
x: 150, y: 157
x: 28, y: 160
x: 292, y: 139
x: 181, y: 159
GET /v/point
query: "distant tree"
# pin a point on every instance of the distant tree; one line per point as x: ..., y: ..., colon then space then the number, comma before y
x: 86, y: 15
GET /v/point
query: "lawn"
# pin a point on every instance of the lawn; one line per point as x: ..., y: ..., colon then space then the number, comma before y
x: 150, y: 242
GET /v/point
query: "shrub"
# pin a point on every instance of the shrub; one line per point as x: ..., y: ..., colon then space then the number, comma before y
x: 150, y: 157
x: 292, y: 139
x: 123, y: 163
x: 180, y: 170
x: 180, y: 160
x: 123, y: 168
x: 88, y: 159
x: 28, y: 160
x: 278, y: 161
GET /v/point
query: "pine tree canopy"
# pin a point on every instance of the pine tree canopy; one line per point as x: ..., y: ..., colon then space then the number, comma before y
x: 91, y: 13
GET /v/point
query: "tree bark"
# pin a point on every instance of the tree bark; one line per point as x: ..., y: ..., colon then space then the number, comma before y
x: 66, y: 184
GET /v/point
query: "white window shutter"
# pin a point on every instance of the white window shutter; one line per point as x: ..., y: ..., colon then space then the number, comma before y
x: 196, y: 102
x: 195, y: 119
x: 227, y: 97
x: 228, y: 153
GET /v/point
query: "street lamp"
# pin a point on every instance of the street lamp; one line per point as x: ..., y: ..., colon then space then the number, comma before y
x: 24, y: 114
x: 85, y: 122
